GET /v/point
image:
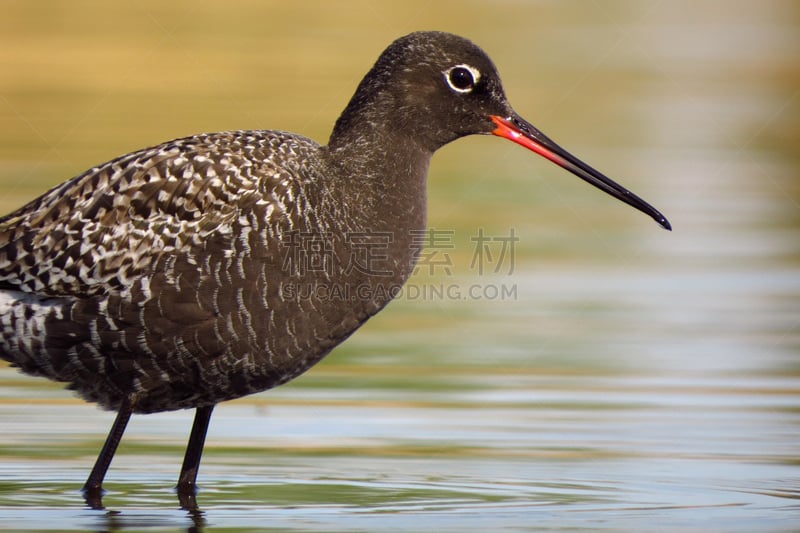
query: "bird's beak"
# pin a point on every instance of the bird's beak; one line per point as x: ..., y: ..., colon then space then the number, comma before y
x: 521, y: 132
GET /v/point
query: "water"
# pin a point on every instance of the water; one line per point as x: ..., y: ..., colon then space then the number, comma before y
x: 519, y: 451
x: 630, y: 379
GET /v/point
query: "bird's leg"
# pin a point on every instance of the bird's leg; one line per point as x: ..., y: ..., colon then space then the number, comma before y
x: 187, y: 483
x: 93, y: 488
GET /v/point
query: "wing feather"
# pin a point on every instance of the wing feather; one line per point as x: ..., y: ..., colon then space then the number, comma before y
x: 110, y: 225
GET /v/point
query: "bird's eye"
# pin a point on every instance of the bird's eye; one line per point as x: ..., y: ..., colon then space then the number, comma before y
x: 462, y: 78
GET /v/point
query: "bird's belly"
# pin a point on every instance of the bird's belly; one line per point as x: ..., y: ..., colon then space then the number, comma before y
x: 275, y: 341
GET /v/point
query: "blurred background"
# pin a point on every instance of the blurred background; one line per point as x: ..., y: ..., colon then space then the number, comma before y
x: 607, y: 366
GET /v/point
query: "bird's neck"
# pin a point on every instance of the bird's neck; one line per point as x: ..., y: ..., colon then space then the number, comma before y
x: 384, y: 178
x: 385, y: 170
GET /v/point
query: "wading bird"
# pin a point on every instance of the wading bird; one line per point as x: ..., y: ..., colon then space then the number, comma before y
x: 159, y: 280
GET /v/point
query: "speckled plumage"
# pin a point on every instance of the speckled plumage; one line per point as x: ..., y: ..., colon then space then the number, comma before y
x: 219, y: 265
x: 158, y: 275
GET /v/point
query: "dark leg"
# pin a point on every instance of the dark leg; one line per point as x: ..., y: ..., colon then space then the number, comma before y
x: 93, y: 488
x: 187, y: 483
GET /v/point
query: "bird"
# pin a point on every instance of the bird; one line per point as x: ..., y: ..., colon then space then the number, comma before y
x: 189, y: 273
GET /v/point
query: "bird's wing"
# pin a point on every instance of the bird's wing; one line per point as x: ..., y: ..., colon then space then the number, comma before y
x: 100, y: 231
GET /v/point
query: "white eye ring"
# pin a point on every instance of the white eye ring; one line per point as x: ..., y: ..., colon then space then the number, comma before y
x: 462, y: 85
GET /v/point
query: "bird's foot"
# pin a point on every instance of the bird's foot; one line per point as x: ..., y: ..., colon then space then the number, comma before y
x: 187, y: 497
x: 93, y: 496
